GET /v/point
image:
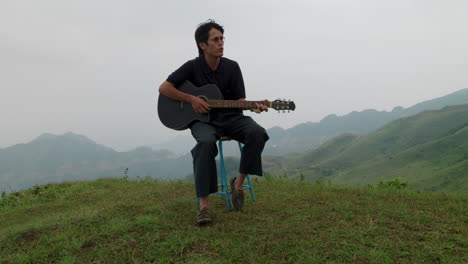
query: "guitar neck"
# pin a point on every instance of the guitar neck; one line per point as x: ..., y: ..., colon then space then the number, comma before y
x: 235, y: 104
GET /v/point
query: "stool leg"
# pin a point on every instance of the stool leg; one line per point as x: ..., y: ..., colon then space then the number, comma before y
x: 222, y: 175
x: 252, y: 194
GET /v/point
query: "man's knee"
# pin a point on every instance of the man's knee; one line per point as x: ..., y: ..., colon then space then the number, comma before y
x: 258, y: 134
x: 206, y: 145
x: 206, y: 140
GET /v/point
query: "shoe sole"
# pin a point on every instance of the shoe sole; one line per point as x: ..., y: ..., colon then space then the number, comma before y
x: 204, y: 221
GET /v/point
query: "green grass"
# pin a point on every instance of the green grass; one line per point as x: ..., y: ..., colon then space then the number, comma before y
x: 114, y: 221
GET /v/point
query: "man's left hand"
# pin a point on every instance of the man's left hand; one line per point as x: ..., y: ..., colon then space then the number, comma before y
x: 261, y: 107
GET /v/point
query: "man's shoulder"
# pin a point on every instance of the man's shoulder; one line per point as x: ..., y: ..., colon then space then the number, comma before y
x: 227, y: 60
x: 191, y: 64
x: 229, y: 63
x: 192, y: 61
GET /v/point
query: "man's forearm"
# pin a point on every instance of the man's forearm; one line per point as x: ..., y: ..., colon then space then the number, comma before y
x: 169, y: 90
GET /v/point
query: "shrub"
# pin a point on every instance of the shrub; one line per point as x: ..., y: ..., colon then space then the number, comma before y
x: 393, y: 184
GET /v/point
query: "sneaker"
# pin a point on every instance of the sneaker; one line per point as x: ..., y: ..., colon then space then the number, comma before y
x: 204, y: 216
x: 237, y: 196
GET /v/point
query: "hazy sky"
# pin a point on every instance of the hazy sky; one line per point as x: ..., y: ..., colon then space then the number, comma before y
x: 93, y: 67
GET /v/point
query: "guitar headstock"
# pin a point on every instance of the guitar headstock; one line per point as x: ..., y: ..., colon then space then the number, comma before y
x: 282, y: 104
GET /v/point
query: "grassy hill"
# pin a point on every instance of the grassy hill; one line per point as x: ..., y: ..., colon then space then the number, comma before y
x: 429, y: 150
x: 117, y: 221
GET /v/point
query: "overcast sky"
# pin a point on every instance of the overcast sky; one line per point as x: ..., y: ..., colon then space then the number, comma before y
x: 93, y: 67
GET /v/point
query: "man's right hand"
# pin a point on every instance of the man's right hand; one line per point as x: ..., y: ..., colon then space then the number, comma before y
x: 199, y: 105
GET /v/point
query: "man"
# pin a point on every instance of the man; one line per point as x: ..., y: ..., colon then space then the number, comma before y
x: 212, y: 68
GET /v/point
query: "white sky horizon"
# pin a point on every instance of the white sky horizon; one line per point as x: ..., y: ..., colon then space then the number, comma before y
x: 93, y: 67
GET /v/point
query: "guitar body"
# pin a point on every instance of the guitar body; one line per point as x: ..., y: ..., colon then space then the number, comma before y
x: 179, y: 115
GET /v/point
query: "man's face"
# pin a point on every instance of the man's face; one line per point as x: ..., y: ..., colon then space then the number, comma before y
x: 215, y: 46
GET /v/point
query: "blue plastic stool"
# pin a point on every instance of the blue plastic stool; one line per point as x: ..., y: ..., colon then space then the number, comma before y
x: 224, y: 188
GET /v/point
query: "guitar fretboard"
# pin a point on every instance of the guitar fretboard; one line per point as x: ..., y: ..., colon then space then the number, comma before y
x: 235, y: 104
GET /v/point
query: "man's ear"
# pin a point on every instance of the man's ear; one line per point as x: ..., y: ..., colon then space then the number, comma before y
x: 202, y: 45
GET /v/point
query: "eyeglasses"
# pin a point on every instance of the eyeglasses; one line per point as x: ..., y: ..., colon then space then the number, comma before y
x: 218, y: 39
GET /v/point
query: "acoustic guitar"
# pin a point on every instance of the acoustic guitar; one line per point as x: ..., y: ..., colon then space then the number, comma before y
x: 179, y: 115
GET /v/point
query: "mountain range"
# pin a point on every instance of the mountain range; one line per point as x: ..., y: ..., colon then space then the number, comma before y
x: 312, y: 134
x: 69, y: 157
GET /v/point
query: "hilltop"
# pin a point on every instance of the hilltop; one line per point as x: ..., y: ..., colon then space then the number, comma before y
x: 147, y: 221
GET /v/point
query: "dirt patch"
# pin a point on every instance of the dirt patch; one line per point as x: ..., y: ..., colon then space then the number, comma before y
x: 27, y: 236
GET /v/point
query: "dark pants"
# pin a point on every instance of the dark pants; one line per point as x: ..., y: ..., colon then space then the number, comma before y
x: 241, y: 128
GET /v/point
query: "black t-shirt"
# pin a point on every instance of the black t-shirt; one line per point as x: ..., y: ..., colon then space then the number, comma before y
x: 227, y: 77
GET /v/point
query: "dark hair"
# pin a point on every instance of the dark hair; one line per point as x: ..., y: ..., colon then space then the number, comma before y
x: 202, y: 32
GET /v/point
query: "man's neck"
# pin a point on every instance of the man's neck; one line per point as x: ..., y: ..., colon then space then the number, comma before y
x: 213, y: 62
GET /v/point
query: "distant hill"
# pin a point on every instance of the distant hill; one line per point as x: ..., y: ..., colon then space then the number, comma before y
x: 52, y: 158
x: 312, y: 134
x: 429, y: 150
